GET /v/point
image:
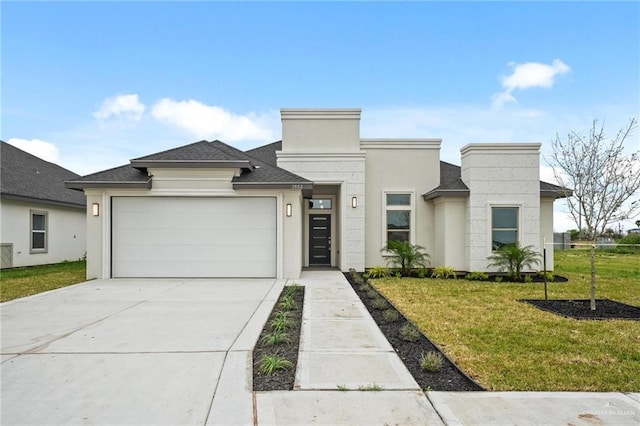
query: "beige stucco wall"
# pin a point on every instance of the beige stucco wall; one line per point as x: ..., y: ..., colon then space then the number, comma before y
x: 500, y: 175
x: 449, y: 232
x: 320, y: 130
x: 195, y: 183
x: 402, y: 165
x: 66, y: 232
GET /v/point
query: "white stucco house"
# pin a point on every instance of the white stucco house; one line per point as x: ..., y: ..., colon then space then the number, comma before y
x: 41, y: 221
x: 320, y: 197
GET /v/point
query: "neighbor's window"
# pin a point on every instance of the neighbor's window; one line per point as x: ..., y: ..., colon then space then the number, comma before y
x: 38, y: 232
x: 504, y: 226
x: 398, y: 210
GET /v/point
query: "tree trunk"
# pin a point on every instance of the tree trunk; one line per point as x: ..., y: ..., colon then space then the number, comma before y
x: 593, y: 277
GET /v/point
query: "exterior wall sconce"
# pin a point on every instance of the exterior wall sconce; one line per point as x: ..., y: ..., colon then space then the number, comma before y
x: 95, y: 209
x: 289, y: 209
x: 354, y: 202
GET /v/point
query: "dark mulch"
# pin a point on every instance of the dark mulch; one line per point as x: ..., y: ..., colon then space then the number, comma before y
x: 282, y: 379
x: 448, y: 378
x: 581, y: 309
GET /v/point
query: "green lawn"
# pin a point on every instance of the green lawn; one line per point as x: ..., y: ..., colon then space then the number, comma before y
x: 507, y: 345
x: 21, y: 282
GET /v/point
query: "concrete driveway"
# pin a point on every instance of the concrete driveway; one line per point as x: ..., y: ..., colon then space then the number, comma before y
x: 161, y: 351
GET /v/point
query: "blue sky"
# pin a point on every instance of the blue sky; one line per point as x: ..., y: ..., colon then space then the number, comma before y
x: 91, y: 85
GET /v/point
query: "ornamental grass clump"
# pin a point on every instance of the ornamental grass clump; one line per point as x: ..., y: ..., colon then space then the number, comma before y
x: 269, y: 364
x: 410, y: 332
x: 390, y: 315
x: 276, y: 337
x: 379, y: 303
x: 431, y: 361
x: 281, y: 321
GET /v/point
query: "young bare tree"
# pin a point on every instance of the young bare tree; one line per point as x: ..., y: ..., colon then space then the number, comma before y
x: 604, y: 180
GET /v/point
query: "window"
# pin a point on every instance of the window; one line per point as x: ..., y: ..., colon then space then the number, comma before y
x: 320, y: 203
x: 504, y: 226
x: 398, y: 211
x: 38, y: 232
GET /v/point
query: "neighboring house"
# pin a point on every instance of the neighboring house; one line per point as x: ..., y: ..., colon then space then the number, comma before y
x: 41, y: 221
x: 320, y: 197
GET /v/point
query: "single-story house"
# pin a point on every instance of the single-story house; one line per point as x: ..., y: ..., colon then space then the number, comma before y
x: 320, y: 197
x: 42, y: 221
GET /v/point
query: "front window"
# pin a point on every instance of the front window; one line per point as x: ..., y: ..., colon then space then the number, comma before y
x: 504, y: 226
x: 320, y: 203
x: 398, y: 210
x: 38, y: 232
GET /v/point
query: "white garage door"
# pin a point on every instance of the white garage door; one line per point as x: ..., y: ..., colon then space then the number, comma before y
x: 193, y: 237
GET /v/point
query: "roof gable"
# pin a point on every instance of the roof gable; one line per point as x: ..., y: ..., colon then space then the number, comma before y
x: 202, y: 154
x: 29, y: 178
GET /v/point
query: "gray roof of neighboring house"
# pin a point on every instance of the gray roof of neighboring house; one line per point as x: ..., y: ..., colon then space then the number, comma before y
x: 29, y: 178
x: 255, y: 172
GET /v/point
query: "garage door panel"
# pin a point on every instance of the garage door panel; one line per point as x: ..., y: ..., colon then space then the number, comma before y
x: 193, y: 237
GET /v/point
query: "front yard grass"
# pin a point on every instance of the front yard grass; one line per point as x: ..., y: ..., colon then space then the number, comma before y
x: 21, y: 282
x: 507, y: 345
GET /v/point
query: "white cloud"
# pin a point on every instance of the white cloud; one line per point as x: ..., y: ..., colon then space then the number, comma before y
x: 122, y: 106
x: 210, y: 121
x: 526, y: 76
x: 41, y: 149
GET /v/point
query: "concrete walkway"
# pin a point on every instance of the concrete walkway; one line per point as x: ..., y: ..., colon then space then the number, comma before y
x: 342, y: 347
x: 180, y: 352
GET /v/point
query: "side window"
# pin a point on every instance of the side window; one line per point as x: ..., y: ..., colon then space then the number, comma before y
x: 504, y: 226
x: 398, y: 216
x: 39, y: 231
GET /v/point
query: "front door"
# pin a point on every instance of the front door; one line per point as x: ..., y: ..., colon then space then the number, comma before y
x: 320, y: 239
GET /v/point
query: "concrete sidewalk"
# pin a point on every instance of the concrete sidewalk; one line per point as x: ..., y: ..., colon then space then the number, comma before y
x: 342, y: 347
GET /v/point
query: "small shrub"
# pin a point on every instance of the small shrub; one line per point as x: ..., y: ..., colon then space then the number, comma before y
x: 409, y: 332
x: 390, y: 315
x: 405, y: 256
x: 550, y: 276
x: 498, y: 279
x: 431, y: 361
x: 422, y: 273
x: 398, y: 275
x: 366, y: 276
x: 287, y: 303
x: 342, y: 388
x: 379, y: 303
x: 269, y: 364
x: 364, y: 287
x: 528, y: 279
x: 276, y: 338
x: 444, y: 272
x: 379, y: 272
x: 629, y: 239
x: 476, y: 276
x: 281, y: 321
x: 372, y: 294
x: 292, y: 290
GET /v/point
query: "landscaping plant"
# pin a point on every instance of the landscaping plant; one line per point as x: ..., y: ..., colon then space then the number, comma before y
x: 379, y: 272
x: 444, y: 272
x: 410, y: 332
x: 269, y: 364
x: 431, y: 361
x: 405, y: 256
x: 276, y: 337
x: 512, y: 258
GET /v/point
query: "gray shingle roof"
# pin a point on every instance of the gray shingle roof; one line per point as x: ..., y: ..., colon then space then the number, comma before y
x: 267, y: 153
x: 27, y: 177
x: 451, y: 184
x: 256, y: 174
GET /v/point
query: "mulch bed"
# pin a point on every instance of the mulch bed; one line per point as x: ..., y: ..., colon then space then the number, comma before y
x: 281, y: 379
x: 448, y: 378
x: 581, y: 309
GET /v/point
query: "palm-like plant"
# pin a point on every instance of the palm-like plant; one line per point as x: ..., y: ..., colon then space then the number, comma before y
x: 406, y: 256
x: 512, y: 258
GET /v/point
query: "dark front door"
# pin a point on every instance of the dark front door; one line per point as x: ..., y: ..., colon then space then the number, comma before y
x: 320, y: 239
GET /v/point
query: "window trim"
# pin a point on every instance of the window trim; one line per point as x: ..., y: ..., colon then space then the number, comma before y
x: 411, y: 208
x: 491, y: 206
x: 45, y: 249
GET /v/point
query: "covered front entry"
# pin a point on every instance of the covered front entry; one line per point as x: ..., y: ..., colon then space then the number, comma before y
x: 176, y: 237
x: 322, y: 227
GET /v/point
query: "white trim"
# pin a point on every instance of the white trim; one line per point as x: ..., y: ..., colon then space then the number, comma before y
x: 319, y: 156
x: 332, y: 211
x: 490, y: 206
x: 412, y: 209
x: 390, y: 143
x: 320, y: 113
x: 44, y: 213
x: 502, y: 148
